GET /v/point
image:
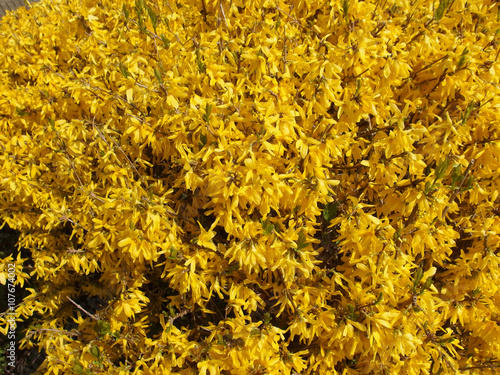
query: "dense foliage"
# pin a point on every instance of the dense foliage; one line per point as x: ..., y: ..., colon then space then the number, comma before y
x: 254, y: 187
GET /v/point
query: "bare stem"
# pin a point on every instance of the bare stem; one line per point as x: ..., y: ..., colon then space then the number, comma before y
x: 82, y: 309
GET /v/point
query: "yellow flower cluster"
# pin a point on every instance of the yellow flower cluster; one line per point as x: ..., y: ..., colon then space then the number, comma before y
x: 254, y: 187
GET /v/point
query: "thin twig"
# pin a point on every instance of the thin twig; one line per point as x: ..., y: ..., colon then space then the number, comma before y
x: 69, y: 333
x: 68, y: 156
x: 291, y: 17
x: 414, y: 74
x: 82, y: 309
x: 223, y: 14
x: 178, y: 315
x: 121, y: 150
x: 485, y: 365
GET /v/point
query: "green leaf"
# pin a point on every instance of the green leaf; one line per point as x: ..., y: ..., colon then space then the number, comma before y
x: 426, y: 285
x: 418, y: 276
x: 95, y: 351
x: 428, y: 187
x: 173, y: 253
x: 277, y: 24
x: 468, y: 112
x: 456, y: 176
x: 469, y: 184
x: 159, y: 76
x: 267, y: 318
x: 126, y: 11
x: 397, y: 234
x: 330, y: 211
x: 236, y: 56
x: 153, y: 17
x: 171, y: 310
x: 102, y: 328
x: 441, y: 9
x: 208, y: 111
x: 220, y: 339
x: 255, y: 332
x: 447, y: 340
x: 233, y: 267
x: 123, y: 70
x: 267, y: 226
x: 21, y: 112
x: 141, y: 25
x: 203, y: 139
x: 352, y: 312
x: 165, y: 41
x: 78, y: 368
x: 201, y: 66
x: 301, y: 242
x: 345, y: 8
x: 379, y: 299
x: 441, y: 169
x: 463, y: 59
x: 139, y: 6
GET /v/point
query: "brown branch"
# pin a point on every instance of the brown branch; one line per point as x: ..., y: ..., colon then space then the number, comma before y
x: 414, y: 74
x: 413, y: 216
x: 60, y: 331
x: 360, y: 74
x: 68, y: 156
x: 347, y: 166
x: 178, y: 315
x: 291, y: 17
x: 440, y: 80
x: 287, y: 293
x: 484, y: 365
x: 82, y: 309
x: 121, y: 150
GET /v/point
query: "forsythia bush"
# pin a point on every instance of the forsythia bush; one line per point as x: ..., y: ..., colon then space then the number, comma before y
x: 254, y: 187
